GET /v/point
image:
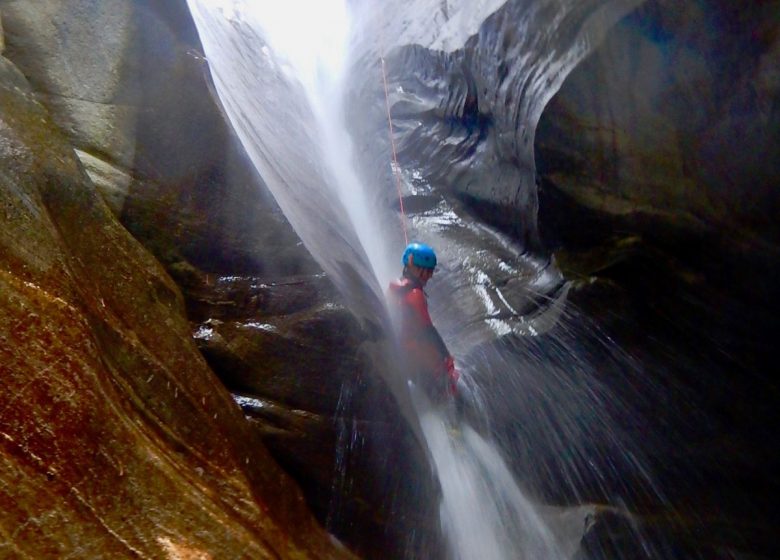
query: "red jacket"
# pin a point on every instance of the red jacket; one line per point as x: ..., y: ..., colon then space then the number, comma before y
x: 423, y: 347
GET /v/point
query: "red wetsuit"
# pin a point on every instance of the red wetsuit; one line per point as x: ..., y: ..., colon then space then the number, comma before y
x: 424, y: 350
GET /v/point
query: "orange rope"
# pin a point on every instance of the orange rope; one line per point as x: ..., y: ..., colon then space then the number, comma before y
x: 396, y: 167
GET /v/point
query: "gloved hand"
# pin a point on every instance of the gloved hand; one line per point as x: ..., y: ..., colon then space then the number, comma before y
x: 452, y: 375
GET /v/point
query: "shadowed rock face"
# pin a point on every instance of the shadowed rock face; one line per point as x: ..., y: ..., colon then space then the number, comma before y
x: 117, y: 439
x: 673, y: 120
x: 659, y: 168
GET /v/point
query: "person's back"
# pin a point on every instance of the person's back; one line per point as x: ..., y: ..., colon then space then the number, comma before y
x: 426, y: 356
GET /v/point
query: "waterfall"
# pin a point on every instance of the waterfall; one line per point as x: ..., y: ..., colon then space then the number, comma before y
x: 278, y: 70
x: 285, y: 109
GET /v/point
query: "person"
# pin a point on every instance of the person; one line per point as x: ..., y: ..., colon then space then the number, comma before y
x: 431, y: 364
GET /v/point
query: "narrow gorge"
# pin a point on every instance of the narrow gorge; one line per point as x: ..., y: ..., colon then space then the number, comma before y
x: 193, y: 335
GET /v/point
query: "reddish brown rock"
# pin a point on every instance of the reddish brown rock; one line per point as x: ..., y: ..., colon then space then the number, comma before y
x: 116, y: 439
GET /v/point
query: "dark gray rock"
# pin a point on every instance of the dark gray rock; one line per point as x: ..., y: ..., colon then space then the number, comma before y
x: 674, y: 120
x: 299, y: 367
x: 659, y: 164
x: 465, y: 113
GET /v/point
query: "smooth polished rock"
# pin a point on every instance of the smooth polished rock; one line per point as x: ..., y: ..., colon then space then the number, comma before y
x: 116, y: 440
x: 128, y: 85
x: 673, y: 121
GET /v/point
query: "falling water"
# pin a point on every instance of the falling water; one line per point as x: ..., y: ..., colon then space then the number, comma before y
x: 483, y: 512
x: 277, y: 68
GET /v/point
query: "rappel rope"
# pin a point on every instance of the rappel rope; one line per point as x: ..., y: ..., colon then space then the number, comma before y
x: 394, y: 162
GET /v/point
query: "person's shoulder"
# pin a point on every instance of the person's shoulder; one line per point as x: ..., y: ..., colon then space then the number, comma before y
x: 400, y: 285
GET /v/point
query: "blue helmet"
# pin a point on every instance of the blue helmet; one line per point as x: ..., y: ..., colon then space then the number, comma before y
x: 423, y: 255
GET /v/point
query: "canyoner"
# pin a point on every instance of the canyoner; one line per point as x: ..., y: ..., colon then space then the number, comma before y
x: 426, y: 359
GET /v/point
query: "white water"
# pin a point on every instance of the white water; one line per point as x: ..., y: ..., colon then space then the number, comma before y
x: 312, y: 37
x: 484, y: 514
x: 277, y: 69
x: 304, y: 152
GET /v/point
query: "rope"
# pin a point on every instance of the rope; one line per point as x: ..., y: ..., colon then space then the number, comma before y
x: 396, y: 167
